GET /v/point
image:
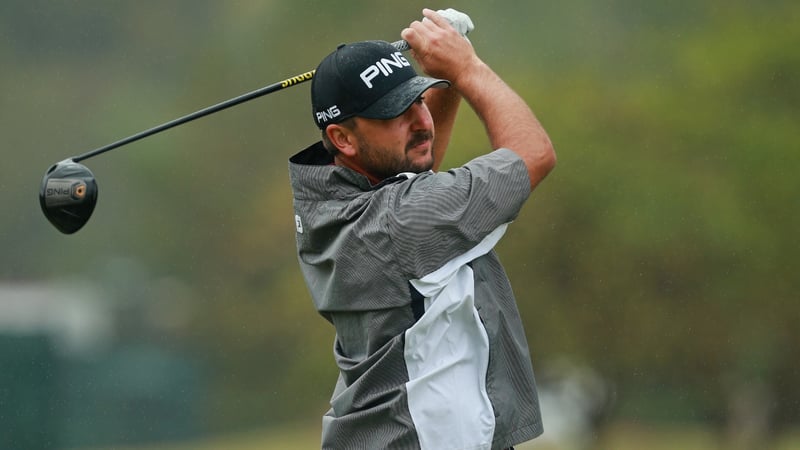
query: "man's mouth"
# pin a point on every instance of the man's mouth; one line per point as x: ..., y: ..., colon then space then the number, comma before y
x: 421, y: 138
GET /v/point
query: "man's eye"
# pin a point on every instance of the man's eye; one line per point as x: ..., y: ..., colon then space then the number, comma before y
x: 420, y: 99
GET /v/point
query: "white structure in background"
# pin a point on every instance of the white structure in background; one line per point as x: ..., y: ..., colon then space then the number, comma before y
x: 73, y: 315
x: 573, y: 398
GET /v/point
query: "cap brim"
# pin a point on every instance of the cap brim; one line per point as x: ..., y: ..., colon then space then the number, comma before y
x: 399, y: 99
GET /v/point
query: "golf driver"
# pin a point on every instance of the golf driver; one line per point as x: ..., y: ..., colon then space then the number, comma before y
x: 68, y: 192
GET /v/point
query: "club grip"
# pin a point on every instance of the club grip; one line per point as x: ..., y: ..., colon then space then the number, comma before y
x: 401, y: 45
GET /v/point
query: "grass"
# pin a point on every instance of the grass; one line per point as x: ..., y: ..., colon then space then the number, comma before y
x: 620, y: 436
x: 295, y: 437
x: 633, y: 436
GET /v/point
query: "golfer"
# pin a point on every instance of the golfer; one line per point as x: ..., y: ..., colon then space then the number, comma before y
x: 398, y: 256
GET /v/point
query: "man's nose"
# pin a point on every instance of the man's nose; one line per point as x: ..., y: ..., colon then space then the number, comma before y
x: 420, y: 116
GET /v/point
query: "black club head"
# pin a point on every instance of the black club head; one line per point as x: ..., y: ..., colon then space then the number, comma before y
x: 68, y: 195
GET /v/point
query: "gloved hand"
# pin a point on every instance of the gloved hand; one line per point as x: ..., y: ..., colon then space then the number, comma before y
x: 458, y: 20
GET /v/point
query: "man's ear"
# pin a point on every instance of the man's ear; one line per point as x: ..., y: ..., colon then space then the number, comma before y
x: 342, y: 138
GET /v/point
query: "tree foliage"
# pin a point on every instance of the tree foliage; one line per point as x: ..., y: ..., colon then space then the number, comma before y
x: 661, y: 251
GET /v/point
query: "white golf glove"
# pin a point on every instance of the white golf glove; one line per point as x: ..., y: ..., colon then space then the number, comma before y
x: 458, y: 20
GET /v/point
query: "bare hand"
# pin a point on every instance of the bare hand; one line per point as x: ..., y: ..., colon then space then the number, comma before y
x: 440, y: 50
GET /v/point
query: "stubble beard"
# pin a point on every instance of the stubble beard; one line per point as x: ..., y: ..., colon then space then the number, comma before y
x: 384, y: 163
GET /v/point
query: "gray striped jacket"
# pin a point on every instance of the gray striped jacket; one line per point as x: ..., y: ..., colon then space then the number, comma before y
x: 429, y: 343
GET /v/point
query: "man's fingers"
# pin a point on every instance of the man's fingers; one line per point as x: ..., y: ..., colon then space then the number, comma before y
x: 411, y: 35
x: 421, y: 31
x: 433, y: 21
x: 436, y: 18
x: 417, y: 31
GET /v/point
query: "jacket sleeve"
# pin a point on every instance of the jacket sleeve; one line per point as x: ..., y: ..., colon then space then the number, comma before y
x: 435, y: 217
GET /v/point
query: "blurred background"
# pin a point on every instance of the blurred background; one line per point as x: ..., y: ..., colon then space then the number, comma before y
x: 655, y: 268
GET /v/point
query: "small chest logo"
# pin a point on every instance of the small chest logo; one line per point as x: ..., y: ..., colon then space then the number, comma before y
x: 298, y: 224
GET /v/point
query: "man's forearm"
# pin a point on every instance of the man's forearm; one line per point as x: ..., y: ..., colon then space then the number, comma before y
x: 443, y: 105
x: 444, y: 53
x: 509, y: 121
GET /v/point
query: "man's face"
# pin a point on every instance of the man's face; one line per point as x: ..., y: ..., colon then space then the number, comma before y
x: 403, y: 144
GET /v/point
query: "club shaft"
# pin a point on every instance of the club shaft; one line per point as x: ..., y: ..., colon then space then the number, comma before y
x: 297, y: 79
x: 289, y: 82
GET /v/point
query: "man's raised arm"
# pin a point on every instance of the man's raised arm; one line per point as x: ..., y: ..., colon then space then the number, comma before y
x: 443, y: 53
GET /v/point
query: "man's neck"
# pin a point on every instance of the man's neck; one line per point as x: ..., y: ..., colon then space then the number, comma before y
x: 350, y: 164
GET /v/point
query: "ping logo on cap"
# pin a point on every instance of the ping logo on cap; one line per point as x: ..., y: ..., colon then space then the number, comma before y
x: 369, y: 79
x: 383, y: 66
x: 328, y: 114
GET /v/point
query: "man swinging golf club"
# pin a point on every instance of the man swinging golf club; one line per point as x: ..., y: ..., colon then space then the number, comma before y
x: 399, y: 256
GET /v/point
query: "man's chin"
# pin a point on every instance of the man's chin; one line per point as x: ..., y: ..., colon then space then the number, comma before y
x: 422, y: 167
x: 422, y: 159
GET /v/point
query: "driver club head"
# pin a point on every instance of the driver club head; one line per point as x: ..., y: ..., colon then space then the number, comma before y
x: 68, y: 195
